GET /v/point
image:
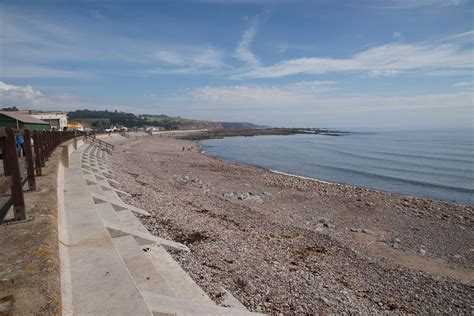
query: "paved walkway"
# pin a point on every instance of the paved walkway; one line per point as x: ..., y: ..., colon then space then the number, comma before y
x: 110, y: 263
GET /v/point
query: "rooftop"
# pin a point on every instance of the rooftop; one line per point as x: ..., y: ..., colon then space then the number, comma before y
x: 24, y: 118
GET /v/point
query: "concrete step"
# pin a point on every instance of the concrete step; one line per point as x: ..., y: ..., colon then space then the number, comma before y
x: 143, y: 272
x: 117, y: 230
x: 173, y: 306
x: 105, y: 198
x: 98, y: 281
x: 107, y: 213
x: 179, y: 281
x: 232, y: 302
x: 127, y: 218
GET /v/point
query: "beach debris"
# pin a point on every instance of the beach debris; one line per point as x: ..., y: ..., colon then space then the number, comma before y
x: 192, y: 181
x: 246, y: 196
x: 363, y: 230
x: 322, y: 222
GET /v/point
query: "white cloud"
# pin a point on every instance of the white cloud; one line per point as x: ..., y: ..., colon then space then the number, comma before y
x: 319, y: 104
x: 397, y: 34
x: 449, y: 73
x: 26, y: 97
x: 170, y: 57
x: 191, y: 57
x: 27, y: 70
x: 243, y: 52
x: 36, y: 45
x: 409, y: 4
x: 464, y: 84
x: 314, y: 94
x: 12, y: 93
x: 262, y: 95
x: 388, y: 59
x: 383, y: 73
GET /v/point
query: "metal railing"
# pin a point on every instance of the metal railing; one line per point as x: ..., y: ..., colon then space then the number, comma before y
x: 93, y: 138
x: 37, y: 148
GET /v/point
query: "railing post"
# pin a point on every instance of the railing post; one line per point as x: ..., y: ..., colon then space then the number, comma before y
x: 37, y: 148
x: 45, y: 145
x: 30, y: 169
x: 42, y: 147
x: 50, y: 142
x: 16, y: 188
x: 6, y: 170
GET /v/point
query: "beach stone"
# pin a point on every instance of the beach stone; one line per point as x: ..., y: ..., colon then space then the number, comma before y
x: 325, y: 301
x: 245, y: 284
x: 395, y: 242
x: 367, y: 231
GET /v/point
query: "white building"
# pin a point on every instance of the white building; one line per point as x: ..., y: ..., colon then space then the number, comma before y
x: 57, y: 120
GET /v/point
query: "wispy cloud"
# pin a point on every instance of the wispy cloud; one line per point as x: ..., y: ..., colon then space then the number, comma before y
x: 27, y: 70
x: 410, y: 4
x: 188, y: 60
x: 388, y: 59
x: 263, y: 95
x: 38, y: 45
x: 321, y: 103
x: 243, y: 52
x: 319, y: 95
x: 464, y: 84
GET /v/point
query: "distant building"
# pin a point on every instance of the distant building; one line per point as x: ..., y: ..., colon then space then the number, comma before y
x: 75, y: 125
x: 57, y: 120
x: 15, y: 119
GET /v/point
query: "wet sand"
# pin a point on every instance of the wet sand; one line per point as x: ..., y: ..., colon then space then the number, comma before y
x: 283, y: 244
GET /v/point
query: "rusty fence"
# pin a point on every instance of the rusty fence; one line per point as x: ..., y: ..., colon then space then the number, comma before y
x: 23, y: 163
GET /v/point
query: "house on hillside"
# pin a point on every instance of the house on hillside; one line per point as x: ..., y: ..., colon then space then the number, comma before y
x: 20, y: 120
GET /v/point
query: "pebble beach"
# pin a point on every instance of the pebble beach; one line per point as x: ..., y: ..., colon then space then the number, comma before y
x: 285, y: 245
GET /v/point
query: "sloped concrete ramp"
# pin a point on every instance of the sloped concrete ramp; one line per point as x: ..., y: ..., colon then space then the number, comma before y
x: 110, y: 263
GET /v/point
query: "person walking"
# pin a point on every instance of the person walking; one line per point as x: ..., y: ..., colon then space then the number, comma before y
x: 20, y: 144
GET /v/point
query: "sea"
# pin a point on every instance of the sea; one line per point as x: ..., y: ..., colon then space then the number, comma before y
x: 435, y: 163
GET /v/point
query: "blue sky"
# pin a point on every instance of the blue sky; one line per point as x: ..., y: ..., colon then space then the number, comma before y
x: 320, y: 63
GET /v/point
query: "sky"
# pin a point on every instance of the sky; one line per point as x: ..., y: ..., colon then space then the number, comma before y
x: 320, y: 63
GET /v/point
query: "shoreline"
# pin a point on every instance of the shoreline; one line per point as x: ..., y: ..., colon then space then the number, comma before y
x: 266, y: 235
x: 330, y: 182
x: 427, y: 197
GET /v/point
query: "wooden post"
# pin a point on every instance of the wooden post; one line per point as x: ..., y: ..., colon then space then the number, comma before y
x: 45, y: 145
x: 42, y: 148
x: 14, y: 171
x: 48, y: 143
x: 4, y: 157
x: 37, y: 147
x: 30, y: 169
